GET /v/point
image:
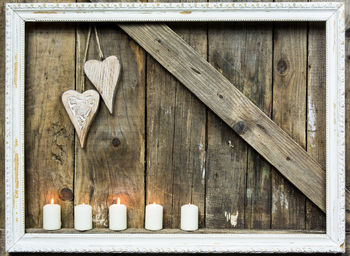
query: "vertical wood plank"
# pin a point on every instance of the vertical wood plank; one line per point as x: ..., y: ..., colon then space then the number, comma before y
x: 316, y: 111
x: 112, y: 163
x: 227, y: 153
x: 49, y: 135
x: 176, y: 136
x: 289, y: 111
x: 238, y: 183
x: 257, y: 69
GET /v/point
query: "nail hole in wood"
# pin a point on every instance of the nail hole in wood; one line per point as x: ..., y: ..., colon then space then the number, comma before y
x: 116, y: 142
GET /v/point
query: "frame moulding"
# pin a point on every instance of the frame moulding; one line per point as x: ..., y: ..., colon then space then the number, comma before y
x: 16, y: 17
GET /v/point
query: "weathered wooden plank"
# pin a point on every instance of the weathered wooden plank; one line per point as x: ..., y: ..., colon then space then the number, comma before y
x: 49, y: 135
x: 176, y: 129
x: 289, y: 108
x: 232, y: 106
x: 239, y: 51
x: 112, y: 163
x: 258, y: 88
x: 2, y: 243
x: 226, y: 151
x: 316, y: 111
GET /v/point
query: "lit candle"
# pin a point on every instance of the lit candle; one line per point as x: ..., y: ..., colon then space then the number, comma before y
x: 117, y: 216
x: 189, y: 217
x: 82, y: 217
x: 51, y: 216
x: 154, y: 217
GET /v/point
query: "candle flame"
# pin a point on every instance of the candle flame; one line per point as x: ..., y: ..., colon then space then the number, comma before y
x: 154, y: 202
x: 118, y: 200
x: 51, y: 200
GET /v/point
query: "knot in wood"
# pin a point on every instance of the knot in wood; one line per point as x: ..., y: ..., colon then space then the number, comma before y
x: 240, y: 128
x: 282, y: 66
x: 115, y: 142
x: 66, y: 194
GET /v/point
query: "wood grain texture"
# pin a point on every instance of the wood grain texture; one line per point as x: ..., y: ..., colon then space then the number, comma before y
x: 2, y: 243
x: 81, y: 109
x: 104, y: 75
x: 258, y: 88
x: 289, y: 108
x: 176, y: 129
x: 112, y: 163
x: 316, y: 111
x: 49, y: 134
x: 232, y: 106
x: 238, y: 182
x: 227, y: 152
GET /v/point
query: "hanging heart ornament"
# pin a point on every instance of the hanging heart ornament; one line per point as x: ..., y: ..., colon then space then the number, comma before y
x: 104, y: 75
x: 81, y: 108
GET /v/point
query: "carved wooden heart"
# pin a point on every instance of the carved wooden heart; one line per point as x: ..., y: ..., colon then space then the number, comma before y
x: 104, y: 75
x: 81, y: 108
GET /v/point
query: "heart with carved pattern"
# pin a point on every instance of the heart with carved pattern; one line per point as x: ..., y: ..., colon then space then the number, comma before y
x: 81, y: 109
x: 104, y: 75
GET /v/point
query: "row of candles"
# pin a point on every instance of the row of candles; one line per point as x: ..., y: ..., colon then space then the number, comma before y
x: 118, y: 217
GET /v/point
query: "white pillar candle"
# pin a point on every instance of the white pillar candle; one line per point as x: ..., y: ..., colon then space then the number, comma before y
x: 189, y: 217
x: 154, y: 217
x: 117, y: 216
x: 51, y: 216
x: 83, y: 217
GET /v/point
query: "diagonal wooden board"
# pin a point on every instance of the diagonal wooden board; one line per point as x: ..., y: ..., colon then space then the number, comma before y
x: 223, y: 98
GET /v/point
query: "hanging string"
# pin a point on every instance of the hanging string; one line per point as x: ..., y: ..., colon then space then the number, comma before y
x: 85, y: 56
x: 98, y: 44
x: 100, y: 53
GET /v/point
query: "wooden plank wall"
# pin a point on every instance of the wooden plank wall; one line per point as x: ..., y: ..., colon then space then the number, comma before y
x: 161, y: 144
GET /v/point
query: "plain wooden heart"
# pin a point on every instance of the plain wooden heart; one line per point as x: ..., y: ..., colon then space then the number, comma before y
x: 81, y: 108
x: 104, y: 75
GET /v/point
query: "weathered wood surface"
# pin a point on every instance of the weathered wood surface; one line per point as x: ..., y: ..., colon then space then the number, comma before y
x: 289, y: 94
x: 81, y: 109
x: 104, y: 75
x: 236, y: 173
x: 258, y: 88
x: 49, y: 133
x: 316, y: 111
x: 112, y: 163
x: 314, y: 55
x: 245, y: 118
x: 176, y: 136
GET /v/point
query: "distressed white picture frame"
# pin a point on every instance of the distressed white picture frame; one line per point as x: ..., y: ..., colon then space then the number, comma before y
x: 17, y: 240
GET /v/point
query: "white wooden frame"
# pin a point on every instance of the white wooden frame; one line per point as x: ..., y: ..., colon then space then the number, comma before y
x: 19, y: 241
